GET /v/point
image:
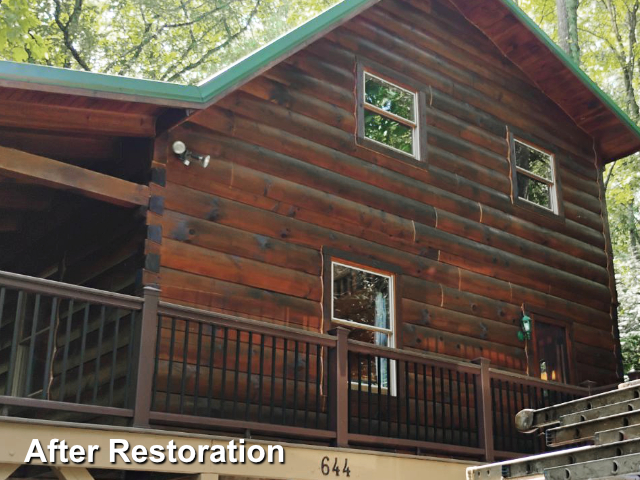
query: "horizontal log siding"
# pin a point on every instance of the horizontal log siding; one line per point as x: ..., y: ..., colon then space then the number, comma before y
x: 286, y: 178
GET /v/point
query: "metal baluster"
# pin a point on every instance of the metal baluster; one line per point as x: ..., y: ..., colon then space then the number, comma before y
x: 114, y: 358
x: 236, y: 374
x: 349, y: 393
x: 502, y: 425
x: 32, y: 345
x: 249, y: 365
x: 359, y: 360
x: 295, y: 381
x: 52, y: 323
x: 284, y: 382
x: 520, y: 437
x: 510, y: 428
x: 425, y: 401
x: 273, y: 378
x: 468, y: 404
x: 306, y: 384
x: 388, y: 396
x: 85, y: 327
x: 476, y: 405
x: 65, y: 354
x: 416, y: 400
x: 450, y: 392
x: 261, y: 376
x: 225, y: 351
x: 185, y: 361
x: 212, y: 365
x: 434, y: 406
x: 407, y: 419
x: 99, y: 353
x: 129, y: 363
x: 378, y: 366
x: 172, y: 344
x: 398, y: 412
x: 442, y: 407
x: 156, y: 364
x: 318, y: 378
x: 196, y: 388
x: 369, y: 394
x: 460, y: 427
x: 14, y: 344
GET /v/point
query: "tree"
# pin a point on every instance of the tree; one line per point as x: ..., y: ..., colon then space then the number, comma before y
x: 609, y: 49
x: 18, y: 40
x: 567, y: 12
x: 168, y: 40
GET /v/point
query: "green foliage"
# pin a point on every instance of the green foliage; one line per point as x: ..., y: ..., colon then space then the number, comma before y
x: 180, y: 41
x: 608, y: 31
x: 394, y: 100
x: 18, y: 39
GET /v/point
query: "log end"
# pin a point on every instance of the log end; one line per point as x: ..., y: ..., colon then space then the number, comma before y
x: 524, y: 421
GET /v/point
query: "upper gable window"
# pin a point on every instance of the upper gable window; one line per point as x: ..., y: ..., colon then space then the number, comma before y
x: 534, y: 175
x: 389, y: 114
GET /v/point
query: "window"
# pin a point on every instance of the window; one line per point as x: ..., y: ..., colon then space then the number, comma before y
x: 388, y: 116
x: 534, y: 176
x: 363, y: 301
x: 551, y: 352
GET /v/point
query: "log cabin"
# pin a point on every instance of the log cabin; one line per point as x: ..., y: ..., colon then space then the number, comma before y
x: 386, y: 231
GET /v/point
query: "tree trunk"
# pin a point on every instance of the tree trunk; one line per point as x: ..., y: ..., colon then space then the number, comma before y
x: 567, y: 11
x: 572, y: 20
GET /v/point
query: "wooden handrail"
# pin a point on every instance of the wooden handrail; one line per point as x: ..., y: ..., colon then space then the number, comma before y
x: 537, y: 382
x: 255, y: 326
x: 67, y: 290
x: 411, y: 356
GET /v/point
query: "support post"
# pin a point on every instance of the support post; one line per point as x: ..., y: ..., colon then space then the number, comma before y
x: 483, y: 405
x: 145, y: 336
x: 339, y: 387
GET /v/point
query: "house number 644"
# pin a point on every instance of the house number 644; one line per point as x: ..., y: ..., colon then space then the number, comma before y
x: 327, y: 468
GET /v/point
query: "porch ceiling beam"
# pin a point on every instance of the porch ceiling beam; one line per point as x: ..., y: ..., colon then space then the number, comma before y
x: 7, y: 470
x: 69, y: 473
x: 77, y: 120
x: 59, y: 175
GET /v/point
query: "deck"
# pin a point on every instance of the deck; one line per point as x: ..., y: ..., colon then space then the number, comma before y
x: 70, y: 353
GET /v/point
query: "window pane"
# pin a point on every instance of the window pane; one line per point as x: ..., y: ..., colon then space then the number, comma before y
x: 533, y: 190
x: 361, y: 297
x: 371, y: 371
x: 368, y: 336
x: 551, y: 346
x: 533, y: 160
x: 387, y: 131
x: 389, y: 97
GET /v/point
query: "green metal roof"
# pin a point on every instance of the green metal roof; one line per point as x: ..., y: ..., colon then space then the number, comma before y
x: 208, y: 91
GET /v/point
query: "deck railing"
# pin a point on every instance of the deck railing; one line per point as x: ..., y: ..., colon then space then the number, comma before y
x: 87, y: 354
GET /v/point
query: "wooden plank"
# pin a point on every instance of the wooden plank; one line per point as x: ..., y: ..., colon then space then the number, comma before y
x: 45, y: 171
x: 78, y: 120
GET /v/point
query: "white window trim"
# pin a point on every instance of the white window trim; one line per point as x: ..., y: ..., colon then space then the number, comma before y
x: 413, y: 124
x: 553, y: 195
x: 389, y: 332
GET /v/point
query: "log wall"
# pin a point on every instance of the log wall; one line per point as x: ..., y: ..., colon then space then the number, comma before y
x: 246, y: 235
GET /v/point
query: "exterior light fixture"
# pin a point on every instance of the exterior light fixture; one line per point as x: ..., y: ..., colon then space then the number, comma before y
x: 187, y: 156
x: 525, y: 328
